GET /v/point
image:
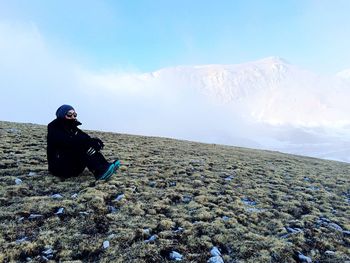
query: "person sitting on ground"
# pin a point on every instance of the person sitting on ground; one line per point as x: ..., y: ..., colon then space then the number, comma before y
x: 70, y: 150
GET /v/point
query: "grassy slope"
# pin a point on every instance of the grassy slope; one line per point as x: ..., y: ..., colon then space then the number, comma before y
x: 192, y: 196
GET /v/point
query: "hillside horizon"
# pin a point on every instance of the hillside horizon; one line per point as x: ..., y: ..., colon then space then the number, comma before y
x: 171, y: 200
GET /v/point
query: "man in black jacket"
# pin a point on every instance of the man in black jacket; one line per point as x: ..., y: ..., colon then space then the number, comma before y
x: 70, y: 150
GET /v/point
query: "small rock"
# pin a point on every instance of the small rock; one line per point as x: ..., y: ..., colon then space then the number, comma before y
x: 21, y: 240
x: 32, y: 174
x: 323, y: 222
x: 111, y: 236
x: 303, y: 258
x: 175, y: 256
x: 18, y: 181
x: 84, y: 213
x: 216, y: 259
x: 247, y: 201
x: 335, y: 227
x: 48, y: 252
x: 324, y: 219
x: 60, y: 211
x: 105, y: 244
x: 151, y: 239
x: 146, y: 231
x: 172, y: 184
x: 254, y: 210
x: 187, y: 199
x: 74, y: 195
x: 285, y: 235
x: 329, y: 253
x: 152, y: 184
x: 294, y: 230
x: 34, y: 216
x: 13, y: 130
x: 45, y: 258
x: 119, y: 197
x: 178, y: 230
x: 112, y: 209
x: 225, y: 218
x: 20, y: 219
x: 215, y: 252
x: 229, y: 178
x: 56, y: 196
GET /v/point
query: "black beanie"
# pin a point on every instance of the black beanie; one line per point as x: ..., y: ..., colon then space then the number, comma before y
x: 62, y: 111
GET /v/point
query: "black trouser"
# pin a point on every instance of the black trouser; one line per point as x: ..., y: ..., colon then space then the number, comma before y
x: 71, y: 164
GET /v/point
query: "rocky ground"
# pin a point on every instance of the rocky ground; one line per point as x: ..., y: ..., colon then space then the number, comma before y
x: 171, y: 200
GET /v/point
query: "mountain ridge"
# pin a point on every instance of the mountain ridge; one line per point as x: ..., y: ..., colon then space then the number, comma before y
x: 268, y: 85
x: 257, y: 102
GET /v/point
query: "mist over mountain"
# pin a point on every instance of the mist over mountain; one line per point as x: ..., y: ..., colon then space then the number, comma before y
x: 269, y: 90
x: 265, y: 104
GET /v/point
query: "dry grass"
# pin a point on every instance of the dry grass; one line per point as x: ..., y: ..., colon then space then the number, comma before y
x: 187, y: 196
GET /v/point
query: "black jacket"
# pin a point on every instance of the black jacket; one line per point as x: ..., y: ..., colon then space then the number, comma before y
x: 65, y: 140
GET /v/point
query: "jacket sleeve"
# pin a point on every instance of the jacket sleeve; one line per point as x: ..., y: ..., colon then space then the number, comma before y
x: 76, y: 139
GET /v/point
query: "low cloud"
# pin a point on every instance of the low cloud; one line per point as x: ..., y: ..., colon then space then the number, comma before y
x: 144, y: 104
x: 34, y: 81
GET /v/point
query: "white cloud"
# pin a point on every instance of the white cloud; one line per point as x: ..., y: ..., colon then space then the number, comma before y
x: 33, y: 79
x: 145, y: 104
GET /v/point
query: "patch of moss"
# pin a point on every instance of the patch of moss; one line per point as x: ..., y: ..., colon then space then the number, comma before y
x: 176, y: 195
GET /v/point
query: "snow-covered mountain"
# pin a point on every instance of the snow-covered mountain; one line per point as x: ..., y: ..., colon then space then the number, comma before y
x: 267, y: 104
x: 269, y: 90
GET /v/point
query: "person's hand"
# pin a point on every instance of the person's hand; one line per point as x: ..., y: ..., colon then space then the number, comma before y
x: 97, y: 144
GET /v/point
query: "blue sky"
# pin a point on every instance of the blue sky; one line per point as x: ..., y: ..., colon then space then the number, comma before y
x: 147, y: 35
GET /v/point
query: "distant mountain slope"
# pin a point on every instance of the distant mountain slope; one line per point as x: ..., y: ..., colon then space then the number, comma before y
x: 269, y: 90
x: 199, y: 200
x: 267, y: 104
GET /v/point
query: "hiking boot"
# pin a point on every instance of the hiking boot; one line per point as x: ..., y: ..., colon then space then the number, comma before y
x: 116, y: 165
x: 111, y: 169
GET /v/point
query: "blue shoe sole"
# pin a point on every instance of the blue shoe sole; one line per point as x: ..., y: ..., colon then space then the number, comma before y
x: 111, y: 170
x: 116, y: 165
x: 108, y: 173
